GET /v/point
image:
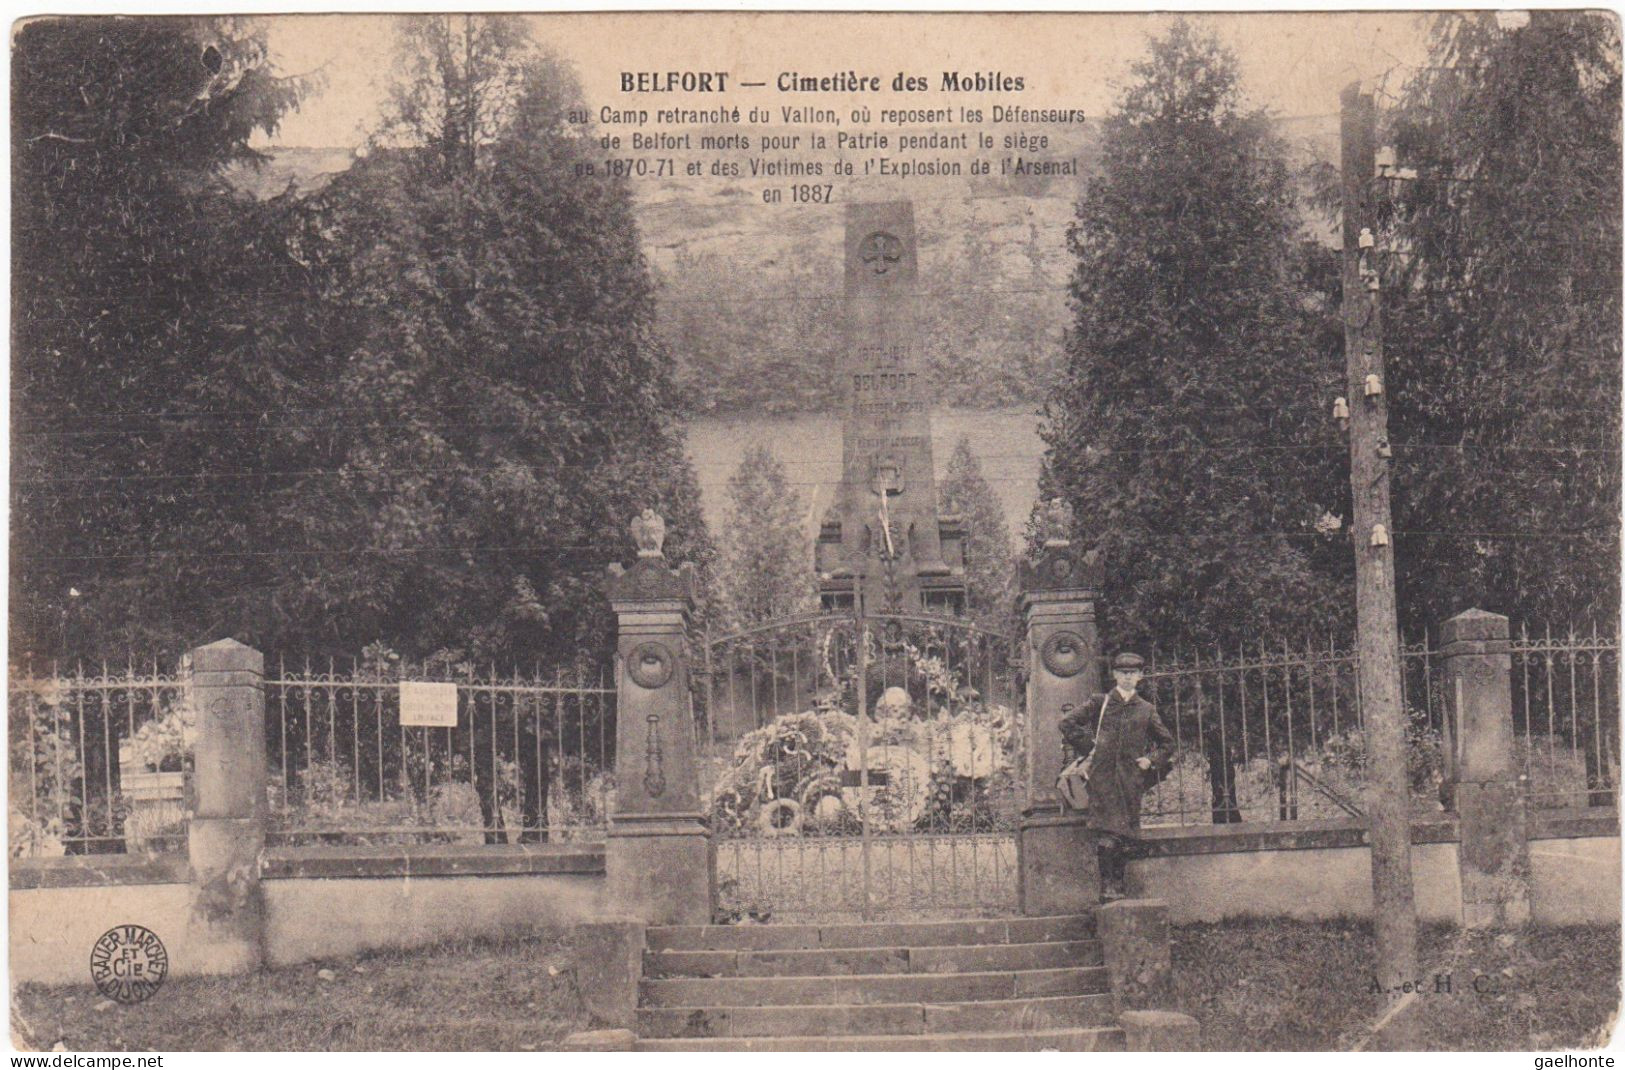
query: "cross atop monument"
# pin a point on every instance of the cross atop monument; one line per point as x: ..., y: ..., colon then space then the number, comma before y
x: 883, y: 534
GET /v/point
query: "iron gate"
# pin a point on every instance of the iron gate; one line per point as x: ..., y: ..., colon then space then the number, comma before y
x: 860, y: 766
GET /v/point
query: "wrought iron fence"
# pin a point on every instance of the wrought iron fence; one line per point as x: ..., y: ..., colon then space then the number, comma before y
x: 1276, y: 734
x: 1565, y: 716
x: 97, y: 760
x: 914, y: 810
x: 101, y: 762
x: 529, y: 759
x: 750, y: 677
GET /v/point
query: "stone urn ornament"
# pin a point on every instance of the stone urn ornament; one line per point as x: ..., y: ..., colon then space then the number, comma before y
x: 649, y: 532
x: 1055, y: 523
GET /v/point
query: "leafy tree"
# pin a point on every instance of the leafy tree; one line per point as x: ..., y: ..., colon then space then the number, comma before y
x: 767, y: 560
x: 1502, y: 298
x: 422, y: 405
x: 1189, y: 432
x: 486, y: 326
x: 141, y: 347
x: 487, y: 323
x: 989, y: 561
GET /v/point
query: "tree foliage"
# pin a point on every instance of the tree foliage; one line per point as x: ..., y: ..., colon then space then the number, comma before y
x: 489, y: 316
x: 422, y: 405
x: 139, y: 339
x: 990, y: 587
x: 1188, y: 432
x: 1503, y: 321
x: 766, y: 570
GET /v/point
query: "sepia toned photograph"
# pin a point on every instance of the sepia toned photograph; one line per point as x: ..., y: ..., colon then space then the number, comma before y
x: 803, y: 532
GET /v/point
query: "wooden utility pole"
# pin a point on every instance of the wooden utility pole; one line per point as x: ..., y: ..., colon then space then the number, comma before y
x: 1387, y: 792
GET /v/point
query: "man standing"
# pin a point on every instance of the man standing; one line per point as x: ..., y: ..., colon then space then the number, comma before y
x: 1125, y: 743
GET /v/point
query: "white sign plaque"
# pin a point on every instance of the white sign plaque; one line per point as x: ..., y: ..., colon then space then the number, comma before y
x: 433, y: 705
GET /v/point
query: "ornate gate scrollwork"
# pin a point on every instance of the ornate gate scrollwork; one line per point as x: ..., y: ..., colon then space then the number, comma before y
x: 863, y: 765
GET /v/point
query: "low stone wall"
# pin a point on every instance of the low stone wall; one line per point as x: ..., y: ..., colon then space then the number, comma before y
x: 61, y: 907
x: 317, y: 903
x: 332, y: 902
x: 1322, y: 870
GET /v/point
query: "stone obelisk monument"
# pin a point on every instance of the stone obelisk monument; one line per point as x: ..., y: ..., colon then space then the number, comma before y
x: 883, y: 535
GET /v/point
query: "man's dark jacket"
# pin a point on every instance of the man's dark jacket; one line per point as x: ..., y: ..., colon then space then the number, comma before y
x: 1129, y: 730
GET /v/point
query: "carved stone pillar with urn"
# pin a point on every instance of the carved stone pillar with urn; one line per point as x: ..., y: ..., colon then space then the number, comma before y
x: 1056, y: 853
x: 660, y: 861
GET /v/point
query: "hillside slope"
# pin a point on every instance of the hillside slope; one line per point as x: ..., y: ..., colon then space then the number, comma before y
x: 749, y: 291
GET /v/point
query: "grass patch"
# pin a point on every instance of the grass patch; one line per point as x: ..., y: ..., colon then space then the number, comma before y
x: 1255, y: 985
x: 484, y: 995
x: 1274, y: 985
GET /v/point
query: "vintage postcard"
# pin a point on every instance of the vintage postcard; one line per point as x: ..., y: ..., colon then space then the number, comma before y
x: 759, y: 531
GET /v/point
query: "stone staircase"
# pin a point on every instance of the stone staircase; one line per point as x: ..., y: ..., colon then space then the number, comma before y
x: 1013, y: 984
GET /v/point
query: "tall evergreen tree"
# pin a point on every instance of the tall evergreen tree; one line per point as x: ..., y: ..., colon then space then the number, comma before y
x: 989, y: 560
x: 142, y: 350
x: 422, y: 405
x: 1503, y: 334
x: 1188, y: 433
x: 487, y: 326
x: 767, y: 559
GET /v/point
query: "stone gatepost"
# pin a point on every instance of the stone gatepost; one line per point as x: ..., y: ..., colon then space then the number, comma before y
x: 660, y: 860
x: 1055, y: 852
x: 227, y: 831
x: 1494, y: 854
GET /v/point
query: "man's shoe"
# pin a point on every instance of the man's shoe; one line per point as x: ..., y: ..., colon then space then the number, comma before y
x: 1111, y: 895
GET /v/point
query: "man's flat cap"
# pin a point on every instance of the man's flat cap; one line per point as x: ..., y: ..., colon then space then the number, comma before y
x: 1128, y: 661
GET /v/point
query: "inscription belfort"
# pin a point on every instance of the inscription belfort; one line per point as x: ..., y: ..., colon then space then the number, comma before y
x: 863, y: 382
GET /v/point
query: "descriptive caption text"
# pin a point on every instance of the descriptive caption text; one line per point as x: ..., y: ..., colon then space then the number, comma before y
x: 803, y: 151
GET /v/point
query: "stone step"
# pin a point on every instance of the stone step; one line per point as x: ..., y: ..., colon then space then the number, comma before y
x: 870, y: 988
x: 870, y: 934
x: 955, y: 958
x: 1048, y: 1012
x: 1086, y: 1039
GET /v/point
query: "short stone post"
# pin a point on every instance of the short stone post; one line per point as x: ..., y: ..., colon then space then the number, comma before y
x: 1494, y: 853
x: 227, y: 830
x: 660, y: 861
x: 1159, y: 1031
x: 1055, y: 852
x: 1135, y: 947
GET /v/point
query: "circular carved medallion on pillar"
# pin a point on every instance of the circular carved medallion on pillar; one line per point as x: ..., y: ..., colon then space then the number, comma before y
x: 1064, y: 653
x: 650, y: 665
x: 1061, y: 568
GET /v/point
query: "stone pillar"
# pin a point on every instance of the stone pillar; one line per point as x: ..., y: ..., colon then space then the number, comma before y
x: 1494, y: 852
x: 660, y: 861
x: 227, y: 830
x: 1055, y: 852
